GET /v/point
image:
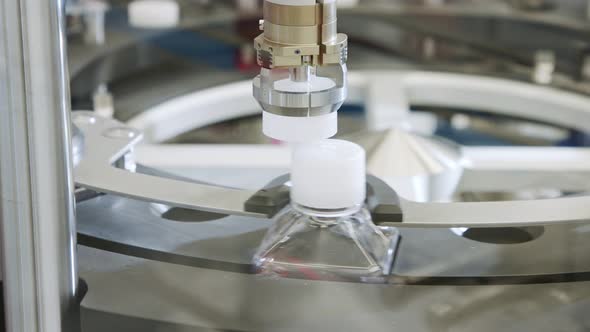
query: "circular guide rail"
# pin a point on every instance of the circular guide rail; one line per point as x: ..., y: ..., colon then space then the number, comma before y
x: 389, y: 96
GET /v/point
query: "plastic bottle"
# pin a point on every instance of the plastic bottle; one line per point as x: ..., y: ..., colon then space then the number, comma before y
x: 326, y: 232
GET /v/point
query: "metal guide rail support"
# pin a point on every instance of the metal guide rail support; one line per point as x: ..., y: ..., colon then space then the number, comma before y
x: 107, y: 141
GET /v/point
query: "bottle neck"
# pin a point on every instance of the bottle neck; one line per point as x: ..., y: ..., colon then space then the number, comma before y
x: 326, y: 214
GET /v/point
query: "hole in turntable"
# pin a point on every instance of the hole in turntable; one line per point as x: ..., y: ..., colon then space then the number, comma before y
x: 185, y: 215
x: 501, y: 235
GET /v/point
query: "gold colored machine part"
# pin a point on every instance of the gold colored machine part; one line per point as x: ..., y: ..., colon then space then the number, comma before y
x: 299, y: 35
x: 302, y: 82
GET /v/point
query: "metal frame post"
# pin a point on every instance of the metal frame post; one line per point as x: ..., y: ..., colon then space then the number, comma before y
x: 36, y: 185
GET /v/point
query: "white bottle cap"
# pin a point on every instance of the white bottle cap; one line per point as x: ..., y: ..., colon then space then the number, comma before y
x: 153, y: 14
x: 328, y: 174
x: 299, y: 129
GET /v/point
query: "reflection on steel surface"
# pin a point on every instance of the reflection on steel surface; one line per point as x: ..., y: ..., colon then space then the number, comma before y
x: 131, y: 227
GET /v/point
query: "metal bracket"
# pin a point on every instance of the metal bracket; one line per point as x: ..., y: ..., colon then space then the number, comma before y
x: 382, y: 200
x: 272, y: 198
x: 107, y: 141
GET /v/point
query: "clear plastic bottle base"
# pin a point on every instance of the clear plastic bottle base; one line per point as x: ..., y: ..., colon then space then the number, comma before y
x: 326, y: 245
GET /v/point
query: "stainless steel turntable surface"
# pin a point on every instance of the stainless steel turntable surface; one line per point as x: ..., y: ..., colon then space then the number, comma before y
x: 196, y: 276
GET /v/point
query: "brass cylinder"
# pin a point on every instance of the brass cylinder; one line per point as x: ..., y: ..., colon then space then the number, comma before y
x: 290, y: 15
x: 292, y: 32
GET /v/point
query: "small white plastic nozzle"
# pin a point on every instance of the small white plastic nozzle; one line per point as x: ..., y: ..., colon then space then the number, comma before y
x: 328, y: 174
x: 94, y: 15
x: 153, y: 14
x: 102, y: 101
